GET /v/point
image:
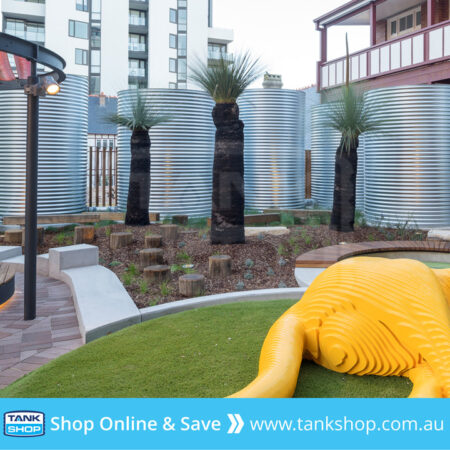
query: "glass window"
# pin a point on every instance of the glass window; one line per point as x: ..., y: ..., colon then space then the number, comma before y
x: 137, y: 17
x: 182, y: 86
x: 137, y: 42
x: 410, y: 21
x: 182, y: 69
x: 172, y: 85
x: 94, y: 84
x: 172, y: 40
x: 78, y: 29
x: 419, y: 18
x: 26, y: 30
x: 82, y: 5
x: 81, y: 56
x: 172, y: 65
x: 95, y: 37
x: 182, y: 45
x: 405, y: 22
x: 95, y: 61
x: 394, y: 27
x: 96, y: 9
x: 182, y: 3
x: 182, y: 19
x: 173, y: 15
x: 136, y: 68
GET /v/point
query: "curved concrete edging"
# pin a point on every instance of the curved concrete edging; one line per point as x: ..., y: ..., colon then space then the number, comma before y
x: 153, y: 312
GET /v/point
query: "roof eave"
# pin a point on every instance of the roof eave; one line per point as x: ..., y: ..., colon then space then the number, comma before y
x: 351, y: 7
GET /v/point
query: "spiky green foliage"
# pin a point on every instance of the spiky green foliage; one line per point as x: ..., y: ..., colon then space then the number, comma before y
x: 226, y: 79
x: 141, y: 116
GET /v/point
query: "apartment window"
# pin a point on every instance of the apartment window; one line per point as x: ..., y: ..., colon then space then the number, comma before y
x: 182, y: 86
x: 406, y: 22
x: 137, y: 17
x: 95, y: 37
x: 95, y: 61
x: 137, y: 42
x: 172, y: 65
x: 94, y: 84
x: 136, y: 68
x: 30, y: 31
x: 81, y: 56
x: 182, y: 3
x: 82, y: 5
x: 173, y: 15
x: 78, y: 29
x: 96, y: 9
x: 182, y: 69
x: 172, y: 40
x: 172, y: 85
x: 182, y: 19
x: 182, y: 45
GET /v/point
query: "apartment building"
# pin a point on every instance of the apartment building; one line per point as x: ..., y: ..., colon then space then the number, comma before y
x: 122, y: 43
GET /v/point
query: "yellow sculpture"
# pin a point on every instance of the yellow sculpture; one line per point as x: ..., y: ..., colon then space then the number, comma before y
x: 365, y: 315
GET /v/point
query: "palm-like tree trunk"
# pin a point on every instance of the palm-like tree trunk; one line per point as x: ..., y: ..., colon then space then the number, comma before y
x: 228, y: 198
x: 344, y: 198
x: 139, y: 187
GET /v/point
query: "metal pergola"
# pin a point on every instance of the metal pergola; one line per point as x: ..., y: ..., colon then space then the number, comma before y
x: 18, y: 70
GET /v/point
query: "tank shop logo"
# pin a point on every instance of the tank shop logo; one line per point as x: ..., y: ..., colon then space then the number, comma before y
x: 24, y: 423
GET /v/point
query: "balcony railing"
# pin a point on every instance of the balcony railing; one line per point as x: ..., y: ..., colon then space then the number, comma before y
x: 420, y: 48
x: 136, y: 72
x: 135, y: 20
x: 137, y: 46
x: 217, y: 55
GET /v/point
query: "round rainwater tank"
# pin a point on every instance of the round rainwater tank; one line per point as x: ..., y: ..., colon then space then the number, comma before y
x: 407, y: 161
x: 274, y: 148
x: 63, y: 123
x: 182, y: 152
x: 324, y: 143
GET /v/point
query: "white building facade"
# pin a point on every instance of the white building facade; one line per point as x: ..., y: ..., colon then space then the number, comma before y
x: 122, y: 44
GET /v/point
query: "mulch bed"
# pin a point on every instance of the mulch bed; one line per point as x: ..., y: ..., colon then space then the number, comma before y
x: 273, y: 257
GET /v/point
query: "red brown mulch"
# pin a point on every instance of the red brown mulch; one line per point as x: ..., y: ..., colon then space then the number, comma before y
x: 273, y: 257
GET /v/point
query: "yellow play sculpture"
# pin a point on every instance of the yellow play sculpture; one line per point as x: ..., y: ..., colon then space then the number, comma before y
x: 365, y: 315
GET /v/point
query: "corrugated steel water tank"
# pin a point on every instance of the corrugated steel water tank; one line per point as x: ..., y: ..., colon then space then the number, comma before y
x: 63, y: 122
x: 407, y: 161
x: 182, y: 152
x: 274, y: 148
x: 324, y: 143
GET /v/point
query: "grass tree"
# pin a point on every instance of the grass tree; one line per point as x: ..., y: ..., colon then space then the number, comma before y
x: 351, y: 116
x: 139, y: 118
x: 225, y: 81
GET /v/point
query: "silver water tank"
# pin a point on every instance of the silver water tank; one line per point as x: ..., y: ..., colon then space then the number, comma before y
x: 182, y: 152
x: 63, y: 123
x: 324, y: 143
x: 274, y: 148
x: 407, y: 161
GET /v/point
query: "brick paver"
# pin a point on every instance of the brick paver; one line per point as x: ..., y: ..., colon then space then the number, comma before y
x: 27, y: 345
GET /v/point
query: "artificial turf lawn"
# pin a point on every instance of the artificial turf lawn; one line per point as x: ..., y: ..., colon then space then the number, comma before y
x: 209, y: 352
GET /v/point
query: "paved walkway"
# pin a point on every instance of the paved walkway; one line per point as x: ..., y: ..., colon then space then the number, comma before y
x: 27, y: 345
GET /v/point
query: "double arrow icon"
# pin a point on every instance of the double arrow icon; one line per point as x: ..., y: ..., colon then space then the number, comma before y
x: 236, y: 423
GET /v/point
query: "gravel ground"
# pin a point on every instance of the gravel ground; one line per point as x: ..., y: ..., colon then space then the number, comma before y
x: 263, y: 262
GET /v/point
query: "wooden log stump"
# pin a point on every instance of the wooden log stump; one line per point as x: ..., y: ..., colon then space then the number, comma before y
x: 119, y: 240
x: 169, y: 232
x: 13, y: 237
x: 150, y: 257
x: 153, y: 217
x: 153, y: 241
x: 40, y: 235
x: 219, y: 266
x: 156, y: 274
x: 180, y: 220
x: 191, y: 285
x: 84, y: 234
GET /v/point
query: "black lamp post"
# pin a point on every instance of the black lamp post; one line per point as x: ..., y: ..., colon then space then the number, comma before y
x: 35, y: 86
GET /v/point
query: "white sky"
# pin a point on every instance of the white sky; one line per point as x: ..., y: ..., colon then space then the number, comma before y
x: 283, y: 34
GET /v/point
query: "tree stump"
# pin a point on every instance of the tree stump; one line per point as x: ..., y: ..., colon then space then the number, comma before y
x: 219, y: 266
x: 153, y: 217
x: 156, y: 274
x: 150, y: 257
x: 13, y: 237
x: 40, y: 235
x: 84, y: 234
x: 169, y: 232
x: 119, y: 240
x: 191, y: 285
x: 180, y: 220
x: 153, y: 241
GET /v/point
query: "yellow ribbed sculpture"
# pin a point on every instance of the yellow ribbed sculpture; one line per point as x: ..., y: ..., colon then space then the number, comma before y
x: 364, y: 316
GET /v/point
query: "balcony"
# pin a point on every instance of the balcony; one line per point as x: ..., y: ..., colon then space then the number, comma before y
x: 137, y: 47
x: 136, y: 72
x: 218, y: 55
x: 137, y: 21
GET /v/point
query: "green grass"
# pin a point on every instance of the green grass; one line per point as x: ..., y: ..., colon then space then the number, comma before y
x: 210, y: 352
x: 438, y: 265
